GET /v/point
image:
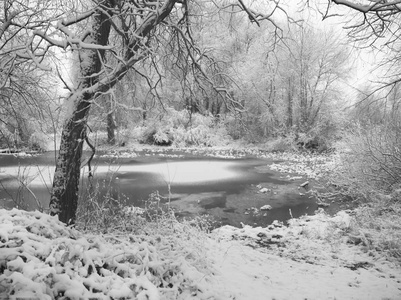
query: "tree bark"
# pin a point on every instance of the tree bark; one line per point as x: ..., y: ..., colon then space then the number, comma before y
x: 64, y: 196
x: 111, y: 124
x: 290, y: 105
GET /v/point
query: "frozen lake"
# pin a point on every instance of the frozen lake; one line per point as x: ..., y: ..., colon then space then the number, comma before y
x: 225, y: 188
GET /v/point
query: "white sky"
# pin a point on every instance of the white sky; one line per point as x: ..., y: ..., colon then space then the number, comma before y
x: 363, y: 62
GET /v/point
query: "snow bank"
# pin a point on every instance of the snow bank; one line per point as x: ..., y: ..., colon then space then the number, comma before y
x: 311, y: 258
x: 40, y: 258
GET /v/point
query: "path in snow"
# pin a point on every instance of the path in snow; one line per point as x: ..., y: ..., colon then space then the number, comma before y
x: 245, y: 273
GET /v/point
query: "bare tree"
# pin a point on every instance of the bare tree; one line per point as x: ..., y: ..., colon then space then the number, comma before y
x: 319, y: 61
x: 107, y: 38
x: 374, y: 24
x: 25, y: 98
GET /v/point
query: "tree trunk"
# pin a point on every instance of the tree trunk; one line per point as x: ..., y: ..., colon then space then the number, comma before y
x: 111, y: 124
x: 64, y: 196
x: 290, y: 104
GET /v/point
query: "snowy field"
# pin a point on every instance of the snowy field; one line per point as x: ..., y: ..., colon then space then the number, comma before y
x: 315, y: 257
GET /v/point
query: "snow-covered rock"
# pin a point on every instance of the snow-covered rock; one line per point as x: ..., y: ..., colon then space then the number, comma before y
x: 304, y: 184
x: 266, y: 207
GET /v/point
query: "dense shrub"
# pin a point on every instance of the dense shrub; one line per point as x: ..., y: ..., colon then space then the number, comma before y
x: 370, y: 177
x: 281, y: 144
x: 39, y: 141
x: 156, y: 136
x: 8, y: 139
x: 376, y: 156
x: 181, y: 129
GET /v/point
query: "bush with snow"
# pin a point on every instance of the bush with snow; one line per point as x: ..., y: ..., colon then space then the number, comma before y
x: 41, y: 258
x: 182, y: 129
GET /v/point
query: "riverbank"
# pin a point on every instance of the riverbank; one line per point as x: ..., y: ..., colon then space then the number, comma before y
x: 315, y: 257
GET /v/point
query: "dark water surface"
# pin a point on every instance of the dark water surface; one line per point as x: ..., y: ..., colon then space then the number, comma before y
x: 225, y: 188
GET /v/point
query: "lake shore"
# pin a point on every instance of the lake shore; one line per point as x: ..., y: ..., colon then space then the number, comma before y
x: 313, y: 257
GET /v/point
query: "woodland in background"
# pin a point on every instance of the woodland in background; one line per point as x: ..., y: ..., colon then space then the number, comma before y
x: 191, y: 73
x: 263, y: 88
x: 288, y: 89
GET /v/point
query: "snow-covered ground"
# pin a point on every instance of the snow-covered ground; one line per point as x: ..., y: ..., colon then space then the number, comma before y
x: 315, y: 257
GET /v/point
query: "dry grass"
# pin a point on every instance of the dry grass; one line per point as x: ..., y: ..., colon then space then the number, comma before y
x: 107, y: 215
x: 379, y: 223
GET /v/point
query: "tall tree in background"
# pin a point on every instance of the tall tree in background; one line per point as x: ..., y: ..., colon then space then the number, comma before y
x: 25, y: 97
x: 293, y: 87
x: 318, y: 61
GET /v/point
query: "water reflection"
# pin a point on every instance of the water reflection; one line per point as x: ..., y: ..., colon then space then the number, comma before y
x: 177, y: 172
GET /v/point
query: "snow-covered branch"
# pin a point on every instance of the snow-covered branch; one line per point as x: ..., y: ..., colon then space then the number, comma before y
x: 373, y: 6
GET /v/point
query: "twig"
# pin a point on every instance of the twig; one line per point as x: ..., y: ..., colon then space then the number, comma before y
x: 91, y: 157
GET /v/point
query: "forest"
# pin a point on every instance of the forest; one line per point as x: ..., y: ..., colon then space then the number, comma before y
x: 310, y: 78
